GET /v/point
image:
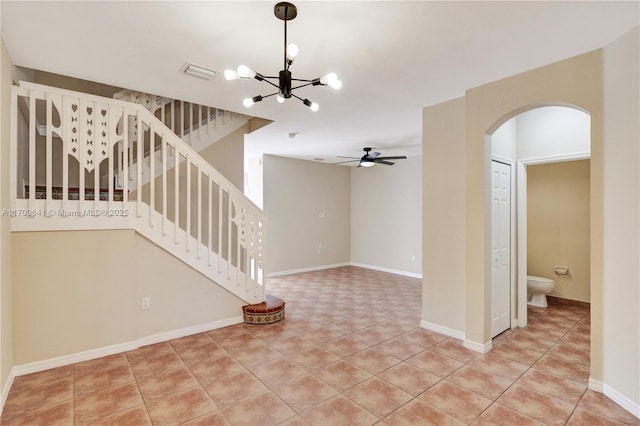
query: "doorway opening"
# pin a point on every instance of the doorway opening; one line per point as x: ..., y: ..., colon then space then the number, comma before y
x: 538, y: 136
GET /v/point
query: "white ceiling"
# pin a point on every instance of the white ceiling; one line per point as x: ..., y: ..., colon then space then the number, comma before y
x: 394, y: 57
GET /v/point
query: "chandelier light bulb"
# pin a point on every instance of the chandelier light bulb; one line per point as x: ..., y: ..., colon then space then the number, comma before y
x: 280, y: 98
x: 335, y: 84
x: 231, y: 75
x: 246, y: 72
x: 292, y: 51
x: 328, y: 79
x: 248, y: 102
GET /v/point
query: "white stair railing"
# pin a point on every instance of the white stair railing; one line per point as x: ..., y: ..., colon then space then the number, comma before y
x: 199, y: 126
x: 63, y: 142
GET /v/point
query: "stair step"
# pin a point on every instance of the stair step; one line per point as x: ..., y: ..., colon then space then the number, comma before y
x: 267, y: 312
x: 73, y: 193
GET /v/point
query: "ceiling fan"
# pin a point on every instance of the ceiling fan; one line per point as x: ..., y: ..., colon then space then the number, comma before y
x: 370, y: 159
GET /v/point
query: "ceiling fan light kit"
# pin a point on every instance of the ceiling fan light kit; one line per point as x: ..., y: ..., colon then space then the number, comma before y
x: 284, y: 81
x: 370, y: 159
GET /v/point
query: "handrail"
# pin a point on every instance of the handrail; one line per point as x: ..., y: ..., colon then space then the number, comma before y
x: 208, y: 213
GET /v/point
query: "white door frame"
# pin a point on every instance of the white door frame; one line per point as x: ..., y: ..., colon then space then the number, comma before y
x: 521, y: 249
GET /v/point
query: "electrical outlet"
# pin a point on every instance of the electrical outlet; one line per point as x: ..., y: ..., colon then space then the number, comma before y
x: 145, y: 303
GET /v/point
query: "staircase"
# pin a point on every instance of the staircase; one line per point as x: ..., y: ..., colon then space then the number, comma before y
x: 199, y: 126
x: 187, y: 208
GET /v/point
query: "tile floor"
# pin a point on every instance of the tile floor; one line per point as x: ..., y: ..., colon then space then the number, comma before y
x: 349, y: 352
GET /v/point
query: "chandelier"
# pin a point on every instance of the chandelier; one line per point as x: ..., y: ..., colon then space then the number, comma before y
x: 284, y: 81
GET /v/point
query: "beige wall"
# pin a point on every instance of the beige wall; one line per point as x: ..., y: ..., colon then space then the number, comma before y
x: 227, y: 156
x: 443, y: 213
x: 386, y: 216
x: 578, y: 81
x: 6, y: 296
x: 296, y: 192
x: 558, y: 226
x: 575, y: 81
x: 621, y: 201
x: 87, y: 296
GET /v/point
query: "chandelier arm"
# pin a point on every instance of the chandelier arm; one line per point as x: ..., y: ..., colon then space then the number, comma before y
x: 271, y: 83
x: 302, y: 79
x: 302, y: 85
x: 270, y: 94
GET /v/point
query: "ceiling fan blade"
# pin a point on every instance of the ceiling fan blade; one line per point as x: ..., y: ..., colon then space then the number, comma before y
x: 395, y: 157
x: 380, y: 161
x: 350, y: 161
x: 372, y: 155
x: 342, y: 156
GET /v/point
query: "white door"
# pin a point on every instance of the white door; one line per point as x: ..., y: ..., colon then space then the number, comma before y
x: 500, y: 247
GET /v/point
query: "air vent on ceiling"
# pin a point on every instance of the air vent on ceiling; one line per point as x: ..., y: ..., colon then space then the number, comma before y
x: 197, y: 71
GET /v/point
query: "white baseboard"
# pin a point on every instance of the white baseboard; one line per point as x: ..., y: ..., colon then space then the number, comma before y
x: 310, y: 269
x: 34, y: 367
x: 478, y: 347
x: 615, y: 396
x: 337, y: 265
x: 391, y: 271
x: 596, y: 385
x: 6, y: 388
x: 442, y: 330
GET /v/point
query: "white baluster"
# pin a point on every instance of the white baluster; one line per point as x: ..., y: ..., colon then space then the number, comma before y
x: 210, y: 214
x: 188, y: 204
x: 139, y: 161
x: 49, y: 152
x: 152, y: 175
x: 32, y: 149
x: 199, y: 211
x: 176, y: 193
x: 164, y: 184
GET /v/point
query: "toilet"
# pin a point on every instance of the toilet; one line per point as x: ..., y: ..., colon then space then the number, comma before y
x: 537, y: 290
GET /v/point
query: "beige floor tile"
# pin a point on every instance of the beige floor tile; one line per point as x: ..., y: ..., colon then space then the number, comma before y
x: 455, y: 401
x: 598, y: 403
x: 136, y: 416
x: 61, y: 414
x: 92, y: 380
x: 214, y: 368
x: 262, y: 409
x: 341, y: 375
x: 485, y: 384
x: 409, y: 378
x: 398, y: 348
x: 193, y: 354
x: 180, y: 407
x: 46, y: 377
x: 304, y: 392
x: 372, y: 360
x: 233, y: 388
x: 344, y: 346
x: 422, y: 337
x: 157, y: 363
x: 582, y: 417
x: 558, y: 367
x: 277, y: 371
x: 499, y: 415
x: 212, y: 419
x: 557, y: 387
x: 493, y: 364
x: 40, y: 396
x: 515, y: 353
x: 313, y: 358
x: 453, y: 348
x: 338, y: 411
x: 107, y: 401
x: 434, y: 363
x: 162, y: 384
x: 378, y: 397
x: 537, y: 405
x: 418, y: 413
